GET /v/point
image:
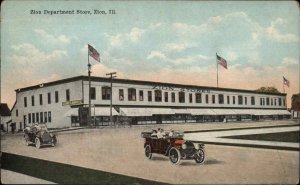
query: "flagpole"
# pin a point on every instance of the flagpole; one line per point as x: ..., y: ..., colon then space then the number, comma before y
x: 217, y: 71
x: 283, y: 86
x: 89, y: 74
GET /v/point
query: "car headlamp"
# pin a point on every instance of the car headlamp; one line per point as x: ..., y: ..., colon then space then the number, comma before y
x: 197, y: 146
x: 183, y: 146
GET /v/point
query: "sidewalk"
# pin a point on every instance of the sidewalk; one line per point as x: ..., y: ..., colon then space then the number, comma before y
x: 10, y: 177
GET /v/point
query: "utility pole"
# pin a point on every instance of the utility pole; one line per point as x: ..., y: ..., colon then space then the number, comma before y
x: 111, y: 76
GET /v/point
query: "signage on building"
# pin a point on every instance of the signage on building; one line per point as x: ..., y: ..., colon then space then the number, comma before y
x: 72, y: 103
x: 170, y: 88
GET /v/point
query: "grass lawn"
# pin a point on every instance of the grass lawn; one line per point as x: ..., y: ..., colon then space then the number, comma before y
x: 292, y: 137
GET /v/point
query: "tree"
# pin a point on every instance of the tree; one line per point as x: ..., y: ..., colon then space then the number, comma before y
x: 267, y: 90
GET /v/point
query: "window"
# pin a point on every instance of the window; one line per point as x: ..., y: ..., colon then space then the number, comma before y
x: 268, y: 101
x: 275, y: 101
x: 141, y: 95
x: 191, y: 97
x: 33, y: 117
x: 93, y: 93
x: 245, y: 100
x: 56, y: 97
x: 173, y: 96
x: 271, y: 101
x: 131, y: 94
x: 37, y: 117
x: 221, y: 99
x: 157, y: 95
x: 252, y: 100
x: 198, y: 98
x: 263, y: 101
x: 49, y: 116
x: 166, y: 96
x: 181, y: 96
x: 25, y: 101
x: 279, y: 102
x: 49, y: 98
x: 206, y: 98
x: 41, y: 99
x: 106, y: 93
x: 29, y: 118
x: 228, y: 99
x: 41, y: 117
x: 32, y: 100
x: 283, y: 101
x: 68, y: 95
x: 213, y: 97
x: 233, y: 100
x: 121, y: 94
x: 45, y: 117
x: 240, y: 100
x: 260, y: 101
x: 17, y: 113
x: 149, y: 95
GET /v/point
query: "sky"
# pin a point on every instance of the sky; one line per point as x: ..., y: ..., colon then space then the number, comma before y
x: 165, y: 41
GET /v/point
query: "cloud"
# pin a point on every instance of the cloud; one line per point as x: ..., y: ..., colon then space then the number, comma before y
x: 28, y: 54
x: 157, y: 54
x: 177, y: 47
x: 289, y: 61
x: 56, y: 40
x: 118, y: 39
x: 274, y: 34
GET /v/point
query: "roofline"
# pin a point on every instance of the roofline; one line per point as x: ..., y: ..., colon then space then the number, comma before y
x: 138, y: 82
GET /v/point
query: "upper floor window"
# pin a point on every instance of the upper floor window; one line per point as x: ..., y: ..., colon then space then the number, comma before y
x: 68, y: 95
x: 213, y: 98
x: 271, y: 101
x: 181, y: 96
x: 157, y: 95
x: 221, y: 99
x: 49, y: 98
x: 32, y: 100
x: 279, y: 102
x: 246, y: 100
x: 106, y: 93
x: 233, y: 100
x: 166, y: 96
x: 141, y: 95
x: 131, y: 94
x: 198, y: 98
x: 25, y: 101
x: 41, y: 99
x: 37, y: 117
x: 206, y: 98
x: 268, y: 101
x: 49, y: 117
x: 240, y: 100
x: 121, y: 94
x: 93, y: 93
x: 191, y: 97
x: 149, y: 95
x: 41, y: 117
x: 56, y: 97
x: 17, y: 113
x: 228, y: 99
x: 283, y: 101
x: 275, y: 101
x: 173, y: 97
x: 252, y: 100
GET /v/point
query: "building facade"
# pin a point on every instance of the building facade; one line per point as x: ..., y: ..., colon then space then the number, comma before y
x: 63, y: 103
x: 5, y: 118
x: 295, y: 106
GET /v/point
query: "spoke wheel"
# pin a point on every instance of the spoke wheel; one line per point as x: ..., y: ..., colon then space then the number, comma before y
x: 199, y: 156
x: 174, y: 155
x: 148, y: 153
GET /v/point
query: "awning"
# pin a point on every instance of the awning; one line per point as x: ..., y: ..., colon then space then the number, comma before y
x: 71, y: 112
x: 202, y: 112
x: 181, y: 111
x: 98, y: 111
x: 146, y: 111
x: 224, y: 111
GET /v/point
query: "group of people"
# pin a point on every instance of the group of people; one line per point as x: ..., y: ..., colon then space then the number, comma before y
x: 160, y: 133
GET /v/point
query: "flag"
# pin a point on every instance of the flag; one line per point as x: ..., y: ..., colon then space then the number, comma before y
x: 286, y: 82
x: 94, y: 53
x: 222, y: 61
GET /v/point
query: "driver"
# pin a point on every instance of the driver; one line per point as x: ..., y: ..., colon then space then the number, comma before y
x: 160, y: 133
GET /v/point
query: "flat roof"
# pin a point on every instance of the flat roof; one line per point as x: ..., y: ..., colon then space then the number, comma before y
x: 137, y: 82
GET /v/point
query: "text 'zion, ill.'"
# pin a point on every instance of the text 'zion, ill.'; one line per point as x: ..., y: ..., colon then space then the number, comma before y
x: 72, y: 12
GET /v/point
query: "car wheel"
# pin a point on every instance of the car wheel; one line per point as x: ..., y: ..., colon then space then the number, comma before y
x: 174, y: 155
x: 148, y: 153
x: 199, y: 156
x: 26, y: 140
x: 37, y: 143
x: 54, y: 140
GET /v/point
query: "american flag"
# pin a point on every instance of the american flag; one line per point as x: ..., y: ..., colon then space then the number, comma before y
x: 94, y: 53
x: 286, y: 82
x: 222, y: 61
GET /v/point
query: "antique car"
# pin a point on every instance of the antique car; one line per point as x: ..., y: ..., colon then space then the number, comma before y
x: 39, y: 135
x: 173, y: 145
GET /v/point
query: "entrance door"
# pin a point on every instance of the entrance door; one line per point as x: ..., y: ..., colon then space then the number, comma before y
x: 83, y: 116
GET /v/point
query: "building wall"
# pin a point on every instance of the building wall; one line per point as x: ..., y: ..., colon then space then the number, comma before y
x: 145, y: 88
x: 57, y: 110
